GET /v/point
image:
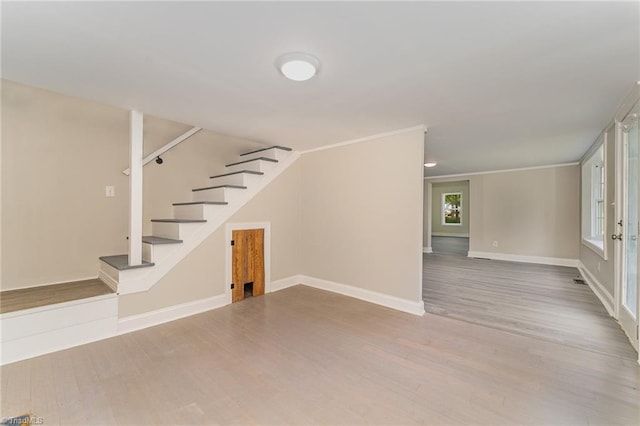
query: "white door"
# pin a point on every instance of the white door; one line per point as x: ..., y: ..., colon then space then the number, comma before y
x: 628, y: 294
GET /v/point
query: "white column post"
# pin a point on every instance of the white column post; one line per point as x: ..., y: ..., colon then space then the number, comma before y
x: 135, y: 188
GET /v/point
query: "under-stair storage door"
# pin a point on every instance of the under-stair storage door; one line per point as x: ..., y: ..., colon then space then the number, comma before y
x: 247, y: 262
x: 254, y: 246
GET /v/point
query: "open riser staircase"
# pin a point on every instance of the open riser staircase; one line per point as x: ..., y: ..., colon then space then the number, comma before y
x: 193, y: 221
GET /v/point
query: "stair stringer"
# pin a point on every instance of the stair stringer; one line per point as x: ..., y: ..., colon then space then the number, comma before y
x: 140, y: 280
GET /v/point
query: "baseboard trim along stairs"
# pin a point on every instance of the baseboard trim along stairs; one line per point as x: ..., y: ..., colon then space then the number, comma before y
x: 32, y: 332
x: 193, y: 221
x: 38, y: 331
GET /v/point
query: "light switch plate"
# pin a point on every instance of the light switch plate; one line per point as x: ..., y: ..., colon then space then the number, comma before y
x: 110, y: 191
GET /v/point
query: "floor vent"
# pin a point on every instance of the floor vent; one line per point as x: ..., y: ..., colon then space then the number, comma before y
x: 578, y: 281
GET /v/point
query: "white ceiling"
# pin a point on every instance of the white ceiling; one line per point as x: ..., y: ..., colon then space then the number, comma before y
x: 499, y: 85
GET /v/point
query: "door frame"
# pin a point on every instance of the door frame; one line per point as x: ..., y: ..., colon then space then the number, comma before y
x: 229, y: 228
x: 619, y: 211
x: 427, y: 215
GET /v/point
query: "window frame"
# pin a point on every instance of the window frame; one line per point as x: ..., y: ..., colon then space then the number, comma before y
x: 594, y: 197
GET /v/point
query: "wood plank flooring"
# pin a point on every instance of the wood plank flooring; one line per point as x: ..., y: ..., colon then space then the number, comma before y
x: 306, y: 356
x: 450, y: 245
x: 535, y: 300
x: 16, y: 300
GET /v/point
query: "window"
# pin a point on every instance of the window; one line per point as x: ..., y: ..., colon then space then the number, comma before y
x: 593, y: 199
x: 452, y: 208
x: 597, y: 200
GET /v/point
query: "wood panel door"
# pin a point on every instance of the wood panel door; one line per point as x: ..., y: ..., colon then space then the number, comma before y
x: 247, y: 262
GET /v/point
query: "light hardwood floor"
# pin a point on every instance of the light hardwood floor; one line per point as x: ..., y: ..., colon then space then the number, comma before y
x: 306, y: 356
x: 540, y: 301
x: 450, y: 245
x: 16, y: 300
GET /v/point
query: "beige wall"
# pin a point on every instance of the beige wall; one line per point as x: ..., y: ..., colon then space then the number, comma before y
x: 437, y: 228
x: 362, y: 215
x: 532, y: 212
x: 202, y: 273
x: 59, y: 154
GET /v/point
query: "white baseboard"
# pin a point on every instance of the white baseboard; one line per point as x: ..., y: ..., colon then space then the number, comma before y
x: 427, y: 250
x: 286, y: 282
x: 171, y: 313
x: 557, y: 261
x: 449, y: 234
x: 113, y: 284
x: 598, y: 289
x: 404, y: 305
x: 38, y: 331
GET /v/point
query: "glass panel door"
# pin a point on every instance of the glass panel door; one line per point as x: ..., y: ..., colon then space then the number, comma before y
x: 630, y: 285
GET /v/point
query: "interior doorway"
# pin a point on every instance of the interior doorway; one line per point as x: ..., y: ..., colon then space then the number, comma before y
x: 247, y: 263
x: 449, y: 221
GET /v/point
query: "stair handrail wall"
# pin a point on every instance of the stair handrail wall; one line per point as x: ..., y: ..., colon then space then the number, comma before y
x: 155, y: 154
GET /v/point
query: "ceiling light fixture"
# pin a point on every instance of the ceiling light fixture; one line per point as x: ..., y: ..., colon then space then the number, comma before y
x: 298, y: 66
x: 432, y: 164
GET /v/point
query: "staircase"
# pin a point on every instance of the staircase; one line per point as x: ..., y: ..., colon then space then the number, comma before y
x: 193, y: 221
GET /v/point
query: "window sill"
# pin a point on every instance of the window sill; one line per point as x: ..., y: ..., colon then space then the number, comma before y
x: 595, y: 245
x: 451, y: 224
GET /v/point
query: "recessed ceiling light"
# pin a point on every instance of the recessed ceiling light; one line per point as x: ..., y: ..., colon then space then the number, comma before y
x: 433, y: 164
x: 298, y: 66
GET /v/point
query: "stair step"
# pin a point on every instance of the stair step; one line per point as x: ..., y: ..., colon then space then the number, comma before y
x: 220, y: 186
x: 121, y: 262
x: 250, y: 172
x: 150, y: 239
x: 238, y: 177
x: 253, y: 159
x: 284, y: 148
x: 191, y: 203
x: 179, y: 220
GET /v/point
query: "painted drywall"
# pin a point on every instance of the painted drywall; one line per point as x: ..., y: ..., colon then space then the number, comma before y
x: 59, y: 154
x: 529, y: 212
x: 202, y: 273
x: 437, y: 228
x: 362, y: 215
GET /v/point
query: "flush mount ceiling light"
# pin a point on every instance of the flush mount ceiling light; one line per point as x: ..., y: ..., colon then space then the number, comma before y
x: 298, y: 66
x: 433, y: 164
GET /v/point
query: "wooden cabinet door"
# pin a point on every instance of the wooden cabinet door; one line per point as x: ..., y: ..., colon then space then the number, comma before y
x: 247, y: 262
